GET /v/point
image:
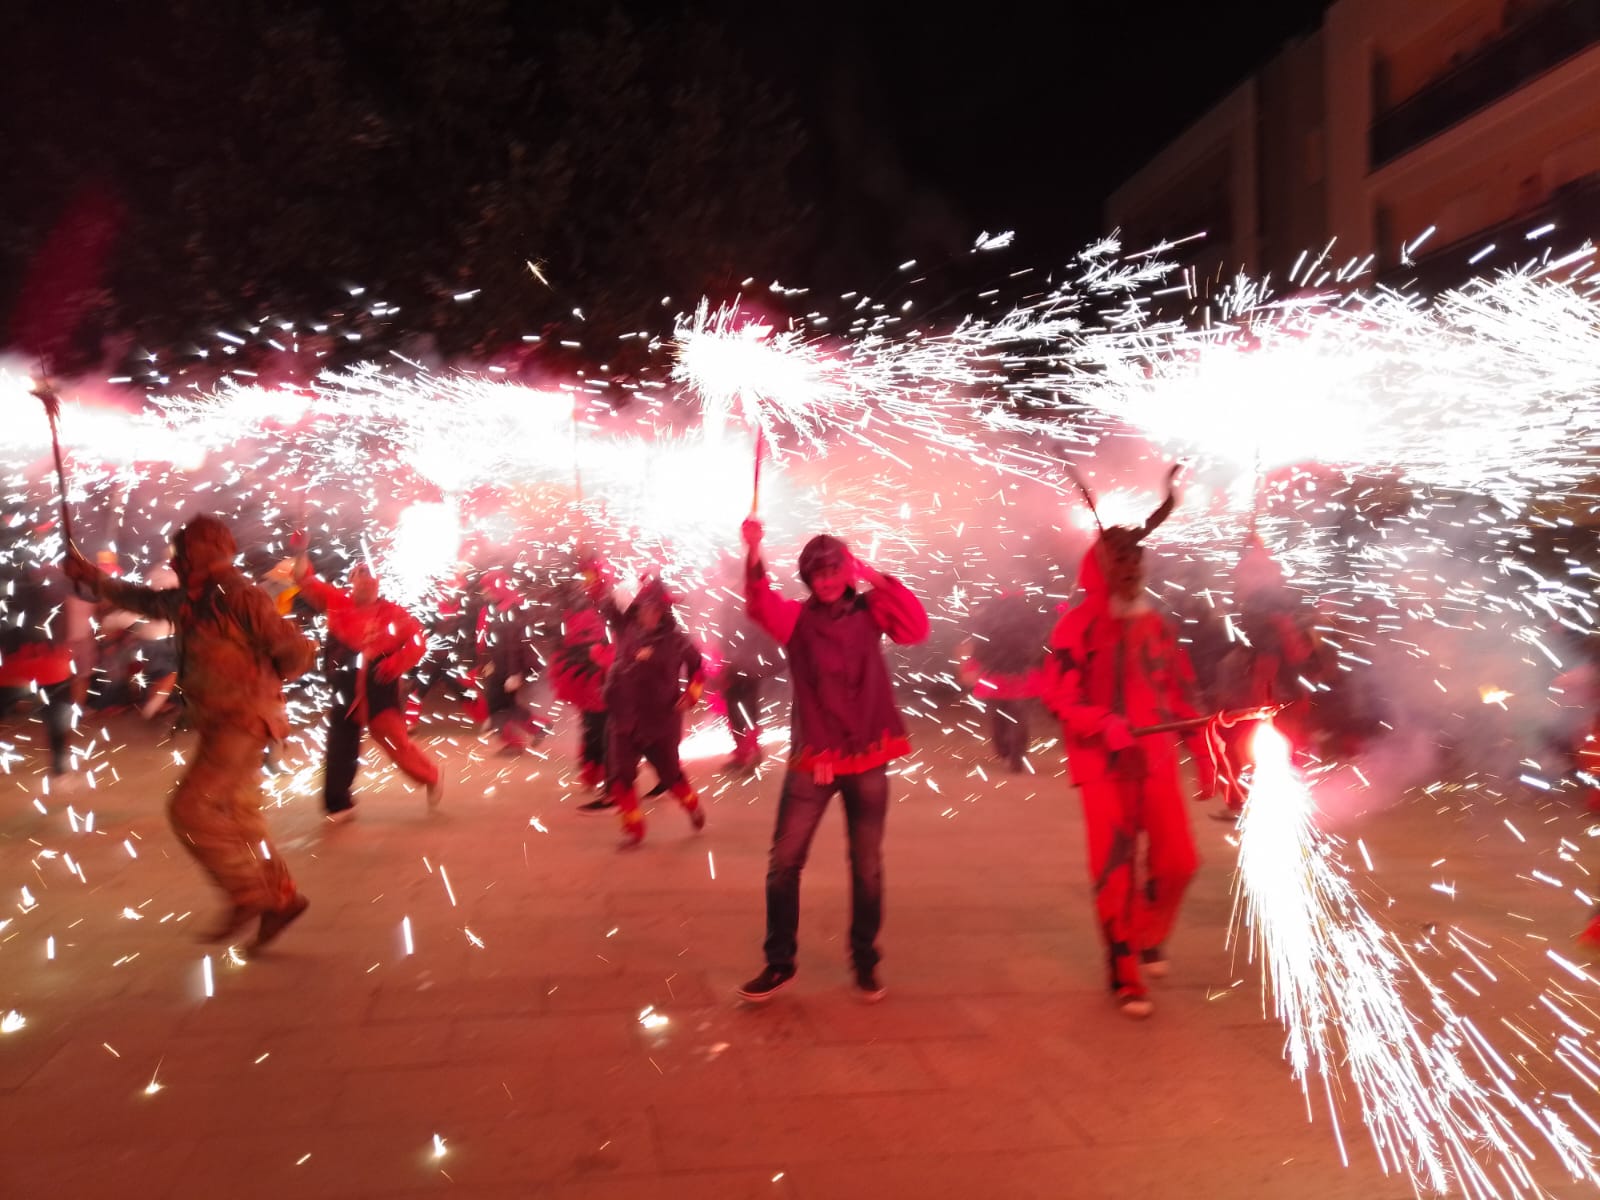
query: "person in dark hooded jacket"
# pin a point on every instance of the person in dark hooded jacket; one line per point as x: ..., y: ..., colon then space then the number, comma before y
x: 655, y: 677
x: 1002, y: 663
x: 844, y: 730
x: 508, y: 662
x: 747, y: 659
x: 1116, y: 668
x: 1263, y: 668
x: 234, y: 654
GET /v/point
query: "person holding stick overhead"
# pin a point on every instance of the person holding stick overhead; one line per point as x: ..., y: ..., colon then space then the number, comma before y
x: 234, y: 654
x: 844, y: 730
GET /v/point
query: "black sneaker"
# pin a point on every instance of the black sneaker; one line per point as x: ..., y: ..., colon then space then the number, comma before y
x: 1154, y: 961
x: 764, y: 986
x: 597, y: 808
x: 869, y: 989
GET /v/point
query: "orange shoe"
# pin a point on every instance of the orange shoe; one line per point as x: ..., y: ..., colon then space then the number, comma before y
x: 632, y: 829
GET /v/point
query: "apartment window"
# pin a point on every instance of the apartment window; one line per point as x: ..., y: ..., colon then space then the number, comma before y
x: 1540, y: 39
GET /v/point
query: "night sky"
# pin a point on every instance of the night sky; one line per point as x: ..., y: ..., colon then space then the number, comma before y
x: 1019, y: 115
x: 925, y: 125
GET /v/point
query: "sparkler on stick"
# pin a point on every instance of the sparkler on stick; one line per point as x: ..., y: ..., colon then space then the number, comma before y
x: 1088, y: 498
x: 755, y: 491
x: 1226, y: 719
x: 768, y: 375
x: 46, y: 394
x: 1440, y: 1105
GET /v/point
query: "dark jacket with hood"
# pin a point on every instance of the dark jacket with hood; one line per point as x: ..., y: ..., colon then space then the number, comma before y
x: 653, y: 668
x: 1008, y: 648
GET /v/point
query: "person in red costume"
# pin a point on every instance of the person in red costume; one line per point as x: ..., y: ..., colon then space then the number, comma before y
x: 1116, y: 667
x: 372, y: 643
x: 36, y: 662
x: 844, y: 730
x: 578, y: 677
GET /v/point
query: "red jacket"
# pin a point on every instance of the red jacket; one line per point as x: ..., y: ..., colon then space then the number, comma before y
x: 35, y: 662
x: 1101, y: 664
x: 578, y: 670
x: 369, y: 635
x: 381, y: 629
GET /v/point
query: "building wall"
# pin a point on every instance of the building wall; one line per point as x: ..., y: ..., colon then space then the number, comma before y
x: 1292, y: 151
x: 1506, y: 158
x: 1500, y: 163
x: 1474, y: 117
x: 1418, y: 42
x: 1204, y: 181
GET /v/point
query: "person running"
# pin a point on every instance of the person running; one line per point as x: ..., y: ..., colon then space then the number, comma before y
x: 371, y: 644
x: 234, y: 654
x: 655, y: 677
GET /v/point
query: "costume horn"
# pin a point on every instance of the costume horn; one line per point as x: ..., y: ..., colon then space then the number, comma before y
x: 1154, y: 520
x: 1088, y: 498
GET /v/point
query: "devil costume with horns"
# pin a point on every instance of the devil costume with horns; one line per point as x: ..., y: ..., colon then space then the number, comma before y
x: 1115, y: 667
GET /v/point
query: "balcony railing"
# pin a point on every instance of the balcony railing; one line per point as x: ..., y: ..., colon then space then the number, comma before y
x: 1573, y: 208
x: 1529, y: 49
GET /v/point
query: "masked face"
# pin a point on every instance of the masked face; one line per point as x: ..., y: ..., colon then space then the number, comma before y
x: 1122, y: 561
x: 363, y: 585
x: 649, y: 615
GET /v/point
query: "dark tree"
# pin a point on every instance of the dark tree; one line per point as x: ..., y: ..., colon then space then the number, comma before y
x: 263, y: 154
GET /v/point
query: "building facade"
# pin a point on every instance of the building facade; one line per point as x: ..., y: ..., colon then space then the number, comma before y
x: 1433, y: 135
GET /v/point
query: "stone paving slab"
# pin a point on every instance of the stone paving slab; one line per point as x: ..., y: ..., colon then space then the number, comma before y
x: 520, y: 1028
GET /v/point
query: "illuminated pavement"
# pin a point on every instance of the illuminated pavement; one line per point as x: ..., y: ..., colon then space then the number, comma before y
x: 996, y: 1067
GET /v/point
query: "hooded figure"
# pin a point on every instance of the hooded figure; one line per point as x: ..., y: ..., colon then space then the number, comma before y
x: 234, y: 654
x: 656, y: 676
x: 1002, y: 664
x: 371, y: 644
x: 1264, y: 667
x: 508, y: 662
x: 1116, y: 667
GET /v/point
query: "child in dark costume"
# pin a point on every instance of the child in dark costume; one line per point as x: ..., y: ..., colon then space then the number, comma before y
x: 654, y: 679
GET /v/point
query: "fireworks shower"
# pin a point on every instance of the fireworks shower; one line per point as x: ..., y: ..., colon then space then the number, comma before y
x: 1417, y: 469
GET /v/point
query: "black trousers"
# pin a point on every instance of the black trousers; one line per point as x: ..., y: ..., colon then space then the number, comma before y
x: 594, y: 738
x: 866, y: 804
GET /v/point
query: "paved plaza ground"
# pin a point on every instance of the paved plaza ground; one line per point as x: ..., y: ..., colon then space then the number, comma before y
x: 564, y: 1023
